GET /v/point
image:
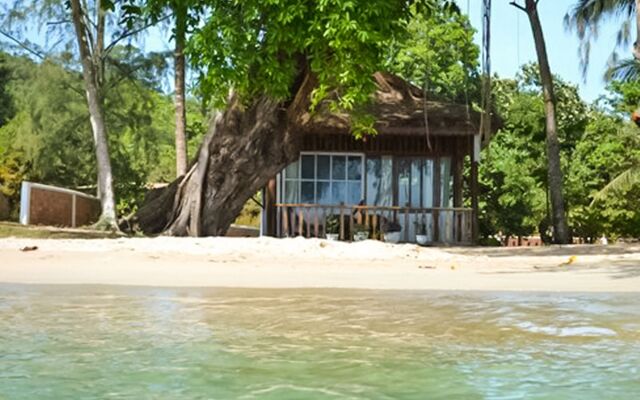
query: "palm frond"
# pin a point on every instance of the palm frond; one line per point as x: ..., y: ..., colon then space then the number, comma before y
x: 626, y: 70
x: 622, y: 182
x: 586, y: 17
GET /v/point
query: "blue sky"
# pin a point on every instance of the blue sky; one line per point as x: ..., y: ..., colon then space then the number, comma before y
x: 512, y: 42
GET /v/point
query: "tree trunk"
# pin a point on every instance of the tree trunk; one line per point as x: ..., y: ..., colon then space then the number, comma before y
x: 560, y: 229
x: 181, y: 116
x: 90, y: 75
x: 245, y: 147
x: 636, y: 45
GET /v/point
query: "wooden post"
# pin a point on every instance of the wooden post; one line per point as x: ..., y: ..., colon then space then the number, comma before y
x: 342, y: 237
x: 270, y: 208
x: 475, y: 156
x: 406, y: 224
x: 285, y: 220
x: 437, y: 199
x: 301, y: 223
x: 317, y: 230
x: 457, y: 179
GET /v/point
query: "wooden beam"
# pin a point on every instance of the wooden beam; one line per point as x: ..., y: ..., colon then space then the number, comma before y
x: 475, y: 188
x: 270, y: 211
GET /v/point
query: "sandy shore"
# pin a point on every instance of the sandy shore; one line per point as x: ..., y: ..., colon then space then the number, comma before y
x: 312, y: 263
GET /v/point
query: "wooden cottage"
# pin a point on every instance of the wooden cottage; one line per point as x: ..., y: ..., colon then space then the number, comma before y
x: 407, y: 177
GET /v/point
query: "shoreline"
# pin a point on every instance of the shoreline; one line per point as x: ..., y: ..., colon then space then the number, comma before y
x: 317, y: 264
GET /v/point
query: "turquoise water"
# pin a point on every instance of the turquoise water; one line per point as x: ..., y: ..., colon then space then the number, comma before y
x: 96, y: 342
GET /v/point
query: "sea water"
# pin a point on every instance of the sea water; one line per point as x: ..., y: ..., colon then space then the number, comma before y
x: 104, y: 342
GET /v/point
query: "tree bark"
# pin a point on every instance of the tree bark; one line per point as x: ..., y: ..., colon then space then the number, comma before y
x: 181, y: 116
x: 636, y: 45
x: 560, y: 229
x: 245, y: 147
x: 90, y: 75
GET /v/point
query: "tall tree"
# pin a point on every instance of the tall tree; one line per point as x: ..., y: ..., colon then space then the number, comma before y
x: 84, y: 25
x: 266, y: 65
x: 183, y: 14
x: 555, y: 178
x: 585, y: 17
x: 179, y: 33
x: 92, y: 73
x: 48, y: 135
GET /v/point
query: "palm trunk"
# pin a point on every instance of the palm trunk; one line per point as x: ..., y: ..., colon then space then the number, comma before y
x: 245, y: 147
x: 181, y: 117
x: 96, y: 114
x: 560, y: 229
x: 636, y: 45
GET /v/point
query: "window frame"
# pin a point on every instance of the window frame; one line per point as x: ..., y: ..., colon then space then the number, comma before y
x: 315, y: 180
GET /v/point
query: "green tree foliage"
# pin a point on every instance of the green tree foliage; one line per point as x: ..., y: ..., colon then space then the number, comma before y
x: 6, y: 102
x: 343, y: 42
x: 608, y: 147
x: 50, y: 136
x: 439, y: 54
x: 513, y: 173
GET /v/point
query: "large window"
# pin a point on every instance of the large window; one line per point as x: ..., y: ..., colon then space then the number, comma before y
x: 324, y: 179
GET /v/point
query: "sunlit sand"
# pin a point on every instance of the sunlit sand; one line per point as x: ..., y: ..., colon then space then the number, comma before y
x: 307, y: 263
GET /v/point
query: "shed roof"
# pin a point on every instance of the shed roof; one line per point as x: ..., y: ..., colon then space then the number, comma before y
x: 399, y: 108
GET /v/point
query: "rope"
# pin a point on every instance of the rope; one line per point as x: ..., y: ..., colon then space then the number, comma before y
x: 425, y: 90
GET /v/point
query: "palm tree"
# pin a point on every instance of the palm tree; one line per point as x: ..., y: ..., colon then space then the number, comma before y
x: 585, y: 17
x: 624, y: 181
x: 554, y: 172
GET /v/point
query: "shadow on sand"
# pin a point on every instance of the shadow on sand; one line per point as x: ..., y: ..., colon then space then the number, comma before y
x: 554, y: 250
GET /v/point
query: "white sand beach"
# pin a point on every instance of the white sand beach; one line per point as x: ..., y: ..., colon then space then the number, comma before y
x: 313, y: 263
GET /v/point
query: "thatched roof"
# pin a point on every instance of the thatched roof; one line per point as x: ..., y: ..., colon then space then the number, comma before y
x: 399, y: 109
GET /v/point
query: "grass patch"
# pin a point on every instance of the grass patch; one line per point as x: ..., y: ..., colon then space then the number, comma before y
x: 12, y: 229
x: 250, y: 214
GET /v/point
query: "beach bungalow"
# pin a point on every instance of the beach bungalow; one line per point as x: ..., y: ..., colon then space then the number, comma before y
x: 404, y: 184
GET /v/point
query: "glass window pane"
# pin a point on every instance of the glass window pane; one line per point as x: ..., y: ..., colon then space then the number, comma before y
x: 323, y: 167
x: 404, y: 183
x: 355, y: 168
x: 386, y: 183
x: 323, y: 195
x: 307, y: 192
x: 379, y: 173
x: 415, y: 183
x: 338, y: 192
x: 291, y: 172
x: 338, y: 169
x: 354, y: 192
x: 291, y: 191
x: 308, y: 167
x: 374, y: 176
x: 427, y: 183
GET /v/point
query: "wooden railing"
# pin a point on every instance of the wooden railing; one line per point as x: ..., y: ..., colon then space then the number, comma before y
x: 442, y: 225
